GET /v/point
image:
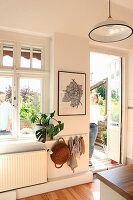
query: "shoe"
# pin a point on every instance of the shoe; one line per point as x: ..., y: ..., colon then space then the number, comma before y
x: 90, y: 163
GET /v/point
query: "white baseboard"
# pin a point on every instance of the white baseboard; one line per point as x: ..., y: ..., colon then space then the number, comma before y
x: 55, y: 184
x: 11, y: 195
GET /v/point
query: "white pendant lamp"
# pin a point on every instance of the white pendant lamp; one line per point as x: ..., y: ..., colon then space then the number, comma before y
x: 110, y: 30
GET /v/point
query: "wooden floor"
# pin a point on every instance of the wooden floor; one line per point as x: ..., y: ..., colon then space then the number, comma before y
x: 88, y: 191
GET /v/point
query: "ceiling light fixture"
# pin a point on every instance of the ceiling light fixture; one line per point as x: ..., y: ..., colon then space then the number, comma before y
x: 110, y: 30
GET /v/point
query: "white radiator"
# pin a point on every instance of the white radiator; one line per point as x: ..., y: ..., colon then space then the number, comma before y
x: 22, y: 169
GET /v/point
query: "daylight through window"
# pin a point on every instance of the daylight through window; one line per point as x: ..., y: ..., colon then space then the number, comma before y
x: 21, y: 89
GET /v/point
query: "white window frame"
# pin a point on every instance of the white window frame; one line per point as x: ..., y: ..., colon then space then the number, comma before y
x: 23, y: 76
x: 2, y: 43
x: 43, y: 56
x: 17, y: 72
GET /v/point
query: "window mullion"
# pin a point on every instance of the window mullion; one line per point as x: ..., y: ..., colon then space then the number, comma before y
x: 18, y: 56
x: 42, y: 59
x: 15, y: 56
x: 18, y: 104
x: 15, y: 104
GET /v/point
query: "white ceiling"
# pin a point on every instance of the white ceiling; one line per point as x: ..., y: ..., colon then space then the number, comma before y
x: 75, y: 17
x: 125, y: 3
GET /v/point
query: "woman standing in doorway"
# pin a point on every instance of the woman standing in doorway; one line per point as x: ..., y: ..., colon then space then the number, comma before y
x: 94, y: 118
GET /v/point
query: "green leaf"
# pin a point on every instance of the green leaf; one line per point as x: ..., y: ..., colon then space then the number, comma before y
x: 41, y: 135
x: 52, y: 114
x: 38, y: 133
x: 61, y: 126
x: 56, y: 130
x: 43, y: 116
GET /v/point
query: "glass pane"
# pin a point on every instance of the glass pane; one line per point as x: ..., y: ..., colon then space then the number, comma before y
x: 25, y: 57
x: 115, y: 89
x: 112, y: 71
x: 36, y: 58
x: 30, y: 90
x: 8, y: 55
x: 117, y: 70
x: 5, y: 106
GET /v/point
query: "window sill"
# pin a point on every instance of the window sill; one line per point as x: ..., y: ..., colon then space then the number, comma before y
x: 16, y: 146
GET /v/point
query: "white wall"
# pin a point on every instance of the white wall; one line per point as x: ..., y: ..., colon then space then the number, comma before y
x: 130, y: 106
x: 71, y: 53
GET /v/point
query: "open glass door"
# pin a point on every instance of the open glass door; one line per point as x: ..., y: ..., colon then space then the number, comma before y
x: 114, y: 111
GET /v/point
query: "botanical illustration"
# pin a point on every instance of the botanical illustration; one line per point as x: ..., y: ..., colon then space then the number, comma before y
x: 73, y: 94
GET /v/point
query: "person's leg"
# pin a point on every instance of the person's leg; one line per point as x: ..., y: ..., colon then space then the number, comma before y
x: 92, y: 138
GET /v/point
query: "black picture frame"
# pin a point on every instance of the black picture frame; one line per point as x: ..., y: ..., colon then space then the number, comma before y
x: 71, y: 93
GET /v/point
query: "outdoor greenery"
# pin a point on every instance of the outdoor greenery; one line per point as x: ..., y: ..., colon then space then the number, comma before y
x: 9, y: 94
x: 114, y: 102
x: 102, y: 103
x: 101, y: 90
x: 101, y: 93
x: 104, y: 137
x: 27, y: 102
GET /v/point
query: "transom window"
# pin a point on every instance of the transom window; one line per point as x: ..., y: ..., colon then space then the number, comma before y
x: 31, y: 58
x: 6, y: 57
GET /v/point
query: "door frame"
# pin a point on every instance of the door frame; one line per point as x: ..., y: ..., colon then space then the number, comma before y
x: 124, y: 56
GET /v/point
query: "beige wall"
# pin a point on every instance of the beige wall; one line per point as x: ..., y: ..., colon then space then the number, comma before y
x: 130, y: 107
x: 70, y: 53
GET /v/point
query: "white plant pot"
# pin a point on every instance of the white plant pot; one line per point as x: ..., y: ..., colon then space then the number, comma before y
x: 38, y: 127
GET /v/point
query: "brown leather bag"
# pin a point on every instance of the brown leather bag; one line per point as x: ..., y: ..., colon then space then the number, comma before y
x: 61, y: 153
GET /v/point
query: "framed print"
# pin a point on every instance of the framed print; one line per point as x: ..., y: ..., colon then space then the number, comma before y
x: 71, y: 93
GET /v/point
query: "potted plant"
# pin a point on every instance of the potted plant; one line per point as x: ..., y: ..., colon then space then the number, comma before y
x: 104, y: 139
x: 45, y: 126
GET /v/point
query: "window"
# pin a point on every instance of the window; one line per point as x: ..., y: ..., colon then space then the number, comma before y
x: 29, y: 99
x: 21, y: 88
x: 36, y: 58
x: 25, y: 57
x: 7, y: 55
x: 31, y: 57
x: 112, y: 71
x: 6, y: 113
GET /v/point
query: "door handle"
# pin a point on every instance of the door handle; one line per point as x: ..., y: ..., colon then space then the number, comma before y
x: 114, y: 124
